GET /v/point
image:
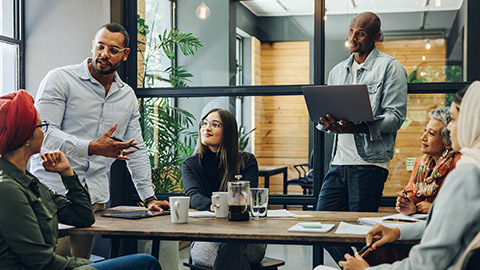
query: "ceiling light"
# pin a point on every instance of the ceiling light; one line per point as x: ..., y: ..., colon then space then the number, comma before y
x: 438, y: 3
x: 203, y: 12
x: 346, y: 43
x: 423, y: 58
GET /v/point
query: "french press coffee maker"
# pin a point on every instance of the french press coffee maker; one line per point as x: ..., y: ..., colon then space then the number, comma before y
x: 239, y: 200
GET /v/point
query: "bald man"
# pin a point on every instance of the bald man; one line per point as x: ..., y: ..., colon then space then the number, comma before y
x: 362, y: 151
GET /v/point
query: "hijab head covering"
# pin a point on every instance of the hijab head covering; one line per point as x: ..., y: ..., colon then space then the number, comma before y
x: 18, y: 120
x: 468, y: 126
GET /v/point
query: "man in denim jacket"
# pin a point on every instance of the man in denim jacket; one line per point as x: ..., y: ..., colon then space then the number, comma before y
x: 363, y: 150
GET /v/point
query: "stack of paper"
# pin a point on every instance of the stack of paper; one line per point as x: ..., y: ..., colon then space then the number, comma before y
x: 392, y: 220
x: 311, y: 227
x: 279, y: 213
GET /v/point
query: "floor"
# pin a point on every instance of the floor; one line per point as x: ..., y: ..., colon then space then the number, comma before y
x: 295, y: 257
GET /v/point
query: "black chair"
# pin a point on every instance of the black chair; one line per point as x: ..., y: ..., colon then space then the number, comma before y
x: 266, y: 264
x: 305, y: 177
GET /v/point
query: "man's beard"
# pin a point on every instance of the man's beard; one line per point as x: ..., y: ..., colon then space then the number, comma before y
x: 112, y: 68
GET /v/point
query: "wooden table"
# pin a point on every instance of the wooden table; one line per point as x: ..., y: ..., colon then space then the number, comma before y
x: 271, y: 231
x: 267, y: 171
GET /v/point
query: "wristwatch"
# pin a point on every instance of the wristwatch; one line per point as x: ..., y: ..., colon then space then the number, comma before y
x: 149, y: 199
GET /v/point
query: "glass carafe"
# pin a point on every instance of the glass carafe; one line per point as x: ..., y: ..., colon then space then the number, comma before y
x: 239, y: 200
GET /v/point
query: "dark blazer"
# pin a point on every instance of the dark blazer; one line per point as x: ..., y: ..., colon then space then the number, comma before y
x: 200, y: 189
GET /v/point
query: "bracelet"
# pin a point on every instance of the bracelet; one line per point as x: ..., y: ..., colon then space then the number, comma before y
x: 149, y: 199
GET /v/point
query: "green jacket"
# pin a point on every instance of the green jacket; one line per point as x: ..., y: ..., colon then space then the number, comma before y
x: 29, y: 216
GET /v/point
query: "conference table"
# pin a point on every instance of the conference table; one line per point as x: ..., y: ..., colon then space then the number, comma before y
x: 269, y: 230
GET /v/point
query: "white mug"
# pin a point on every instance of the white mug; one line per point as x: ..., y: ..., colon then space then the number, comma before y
x: 220, y: 203
x: 179, y: 209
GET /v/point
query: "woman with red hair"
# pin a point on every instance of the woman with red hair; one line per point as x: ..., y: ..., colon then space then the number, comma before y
x: 29, y: 211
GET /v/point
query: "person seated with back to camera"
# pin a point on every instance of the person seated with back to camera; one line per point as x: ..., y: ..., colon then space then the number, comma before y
x: 29, y: 210
x: 430, y: 169
x: 215, y: 163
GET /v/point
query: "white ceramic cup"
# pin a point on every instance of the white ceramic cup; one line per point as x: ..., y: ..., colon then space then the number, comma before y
x: 220, y: 203
x: 179, y: 209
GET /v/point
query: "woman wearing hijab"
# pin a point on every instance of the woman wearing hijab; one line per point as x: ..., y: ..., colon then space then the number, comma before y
x: 430, y: 169
x: 454, y: 218
x: 29, y: 211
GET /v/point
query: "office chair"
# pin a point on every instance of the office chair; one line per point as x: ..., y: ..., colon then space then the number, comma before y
x: 305, y: 177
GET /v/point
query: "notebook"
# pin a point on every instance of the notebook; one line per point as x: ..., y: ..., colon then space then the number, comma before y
x: 136, y: 214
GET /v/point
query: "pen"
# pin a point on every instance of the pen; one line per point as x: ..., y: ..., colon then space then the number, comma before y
x: 118, y: 140
x: 366, y: 247
x: 405, y: 192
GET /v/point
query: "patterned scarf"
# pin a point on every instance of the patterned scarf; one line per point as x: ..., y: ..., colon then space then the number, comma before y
x: 430, y: 175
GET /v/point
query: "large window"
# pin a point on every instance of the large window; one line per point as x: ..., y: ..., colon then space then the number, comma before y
x: 252, y: 57
x: 11, y: 46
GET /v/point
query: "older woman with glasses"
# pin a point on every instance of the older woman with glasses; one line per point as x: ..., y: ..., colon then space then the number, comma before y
x: 29, y: 211
x: 429, y: 170
x: 215, y: 163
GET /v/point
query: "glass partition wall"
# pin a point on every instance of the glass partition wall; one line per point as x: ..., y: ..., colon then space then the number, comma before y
x: 252, y: 57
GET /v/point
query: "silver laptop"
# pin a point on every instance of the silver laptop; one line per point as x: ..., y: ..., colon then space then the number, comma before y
x: 342, y: 102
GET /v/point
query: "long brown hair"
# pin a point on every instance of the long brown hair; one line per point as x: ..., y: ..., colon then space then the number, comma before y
x: 230, y: 156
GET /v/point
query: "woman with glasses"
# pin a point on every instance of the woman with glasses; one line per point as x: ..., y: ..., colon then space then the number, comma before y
x: 29, y: 211
x: 429, y: 170
x: 215, y: 163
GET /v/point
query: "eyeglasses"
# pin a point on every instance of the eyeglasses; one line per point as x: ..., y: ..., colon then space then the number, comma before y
x: 43, y: 126
x: 214, y: 124
x: 111, y: 50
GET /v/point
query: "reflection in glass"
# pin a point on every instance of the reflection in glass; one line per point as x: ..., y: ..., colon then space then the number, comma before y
x: 8, y: 68
x: 425, y: 39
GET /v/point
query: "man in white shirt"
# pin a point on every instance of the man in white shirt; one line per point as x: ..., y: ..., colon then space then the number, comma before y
x: 87, y: 105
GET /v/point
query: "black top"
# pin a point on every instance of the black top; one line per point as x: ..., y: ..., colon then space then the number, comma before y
x: 202, y: 176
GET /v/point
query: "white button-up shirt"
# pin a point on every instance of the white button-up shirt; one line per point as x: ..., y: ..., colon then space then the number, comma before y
x: 75, y: 105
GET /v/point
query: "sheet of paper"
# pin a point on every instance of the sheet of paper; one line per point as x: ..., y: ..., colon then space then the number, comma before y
x: 62, y: 226
x: 279, y: 213
x: 198, y: 214
x: 371, y: 221
x: 299, y: 228
x: 347, y: 228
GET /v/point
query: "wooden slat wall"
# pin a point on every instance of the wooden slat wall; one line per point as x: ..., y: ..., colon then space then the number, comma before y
x: 409, y: 53
x: 281, y: 137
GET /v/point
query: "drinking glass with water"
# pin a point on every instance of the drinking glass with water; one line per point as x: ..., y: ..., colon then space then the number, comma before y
x: 259, y: 202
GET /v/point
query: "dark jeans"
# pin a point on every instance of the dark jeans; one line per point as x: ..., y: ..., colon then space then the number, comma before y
x: 352, y: 188
x: 129, y: 262
x: 356, y: 188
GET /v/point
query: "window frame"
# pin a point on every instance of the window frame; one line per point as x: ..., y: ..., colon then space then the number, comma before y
x: 19, y: 40
x: 274, y: 90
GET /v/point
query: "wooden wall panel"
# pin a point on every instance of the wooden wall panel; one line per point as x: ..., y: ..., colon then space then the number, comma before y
x: 281, y: 122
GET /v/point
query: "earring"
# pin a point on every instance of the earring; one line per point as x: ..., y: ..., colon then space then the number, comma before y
x: 27, y: 144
